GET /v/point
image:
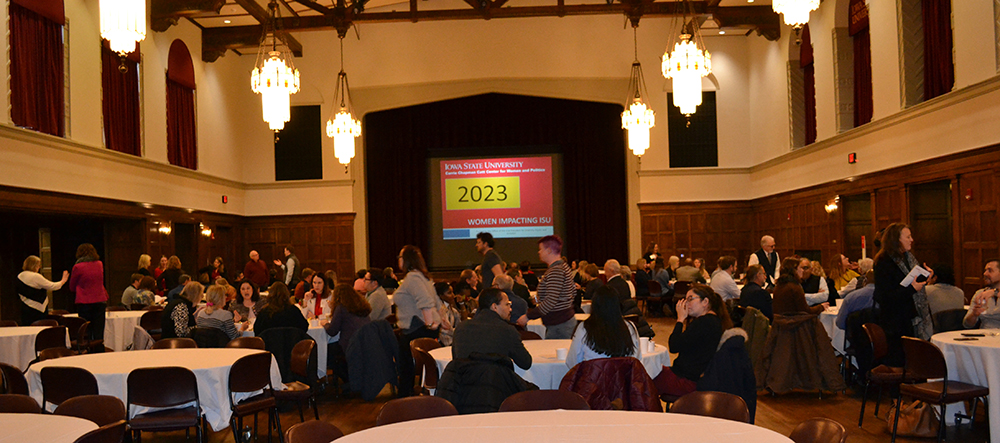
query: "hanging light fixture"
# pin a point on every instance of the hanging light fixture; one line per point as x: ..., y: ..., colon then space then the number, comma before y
x: 686, y: 65
x: 274, y: 75
x: 123, y: 24
x: 343, y: 127
x: 637, y: 118
x: 795, y: 13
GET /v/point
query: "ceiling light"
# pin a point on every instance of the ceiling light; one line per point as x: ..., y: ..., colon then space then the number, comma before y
x: 795, y: 13
x: 274, y: 75
x: 637, y: 118
x: 343, y: 128
x: 227, y: 21
x: 722, y: 32
x: 123, y: 25
x: 686, y: 65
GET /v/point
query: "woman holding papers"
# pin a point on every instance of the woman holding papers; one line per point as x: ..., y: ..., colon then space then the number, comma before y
x: 895, y: 286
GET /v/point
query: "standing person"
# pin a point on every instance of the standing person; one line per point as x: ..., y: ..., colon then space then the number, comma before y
x: 178, y: 315
x: 555, y: 291
x: 701, y: 319
x: 215, y: 270
x: 789, y: 297
x: 892, y: 263
x: 32, y: 288
x: 753, y: 293
x: 170, y: 278
x: 291, y: 271
x: 985, y: 304
x: 418, y: 310
x: 162, y: 267
x: 87, y: 281
x: 722, y: 279
x: 492, y: 263
x: 316, y: 302
x: 767, y: 258
x: 842, y: 271
x: 256, y: 271
x: 652, y: 252
x: 144, y: 264
x: 605, y: 333
x: 376, y: 296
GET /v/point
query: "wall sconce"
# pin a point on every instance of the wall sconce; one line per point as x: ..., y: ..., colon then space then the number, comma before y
x: 164, y: 228
x: 206, y: 231
x: 832, y: 205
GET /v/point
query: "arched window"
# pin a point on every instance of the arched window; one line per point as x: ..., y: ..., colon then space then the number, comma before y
x: 36, y: 65
x: 862, y: 47
x: 120, y: 104
x: 808, y: 85
x: 182, y: 147
x: 925, y: 49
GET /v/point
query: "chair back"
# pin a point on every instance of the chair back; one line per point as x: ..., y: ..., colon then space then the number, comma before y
x: 425, y: 343
x: 246, y: 343
x: 424, y: 364
x: 136, y: 307
x: 304, y: 361
x: 45, y: 322
x: 52, y: 337
x: 950, y: 320
x: 313, y: 431
x: 819, y: 430
x: 150, y: 321
x: 13, y: 380
x: 175, y: 343
x: 681, y: 288
x: 712, y: 404
x: 280, y: 342
x: 209, y: 337
x: 100, y: 409
x: 61, y: 383
x: 924, y: 360
x: 544, y: 400
x: 250, y: 373
x: 73, y: 324
x: 876, y: 336
x: 51, y: 353
x: 620, y: 383
x: 654, y: 288
x: 529, y: 335
x: 413, y: 408
x: 161, y: 387
x: 18, y: 404
x: 112, y: 433
x: 115, y: 308
x: 8, y: 324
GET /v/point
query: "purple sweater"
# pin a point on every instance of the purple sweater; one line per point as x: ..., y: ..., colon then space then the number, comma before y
x: 87, y: 281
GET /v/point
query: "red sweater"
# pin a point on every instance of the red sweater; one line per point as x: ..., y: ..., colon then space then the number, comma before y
x: 87, y: 281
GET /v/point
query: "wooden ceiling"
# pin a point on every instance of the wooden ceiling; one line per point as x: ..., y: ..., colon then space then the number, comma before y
x: 236, y: 24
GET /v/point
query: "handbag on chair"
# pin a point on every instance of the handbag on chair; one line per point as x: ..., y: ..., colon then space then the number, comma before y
x: 917, y: 419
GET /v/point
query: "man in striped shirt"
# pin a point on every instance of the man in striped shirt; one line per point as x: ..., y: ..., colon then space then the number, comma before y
x: 555, y: 291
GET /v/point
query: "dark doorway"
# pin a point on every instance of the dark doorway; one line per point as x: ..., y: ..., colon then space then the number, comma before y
x: 858, y: 224
x: 930, y: 218
x: 186, y: 247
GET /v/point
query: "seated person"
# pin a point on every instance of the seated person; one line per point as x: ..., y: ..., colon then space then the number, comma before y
x: 279, y: 312
x: 689, y: 273
x: 450, y: 315
x: 722, y: 279
x: 376, y: 296
x: 248, y: 303
x: 813, y: 284
x: 857, y: 300
x: 466, y: 290
x: 389, y: 278
x: 701, y: 318
x: 303, y: 286
x: 214, y: 316
x: 984, y: 306
x: 789, y: 297
x: 175, y: 291
x: 589, y: 281
x: 661, y: 276
x: 316, y: 301
x: 131, y: 291
x: 520, y: 288
x: 350, y: 313
x: 178, y: 315
x: 518, y: 307
x: 489, y: 333
x: 866, y: 264
x: 753, y: 293
x: 605, y: 333
x: 942, y: 295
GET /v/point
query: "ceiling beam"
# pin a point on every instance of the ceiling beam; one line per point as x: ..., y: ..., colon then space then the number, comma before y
x: 164, y: 13
x: 750, y: 17
x: 263, y: 16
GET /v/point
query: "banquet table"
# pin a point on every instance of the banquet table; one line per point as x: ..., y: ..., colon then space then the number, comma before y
x: 119, y: 327
x: 42, y: 428
x: 976, y: 362
x: 210, y: 366
x: 829, y: 320
x: 547, y: 370
x: 17, y: 345
x: 322, y: 339
x: 537, y: 327
x: 574, y: 426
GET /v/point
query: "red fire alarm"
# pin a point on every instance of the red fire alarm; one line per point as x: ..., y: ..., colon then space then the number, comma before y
x: 225, y: 199
x: 852, y: 158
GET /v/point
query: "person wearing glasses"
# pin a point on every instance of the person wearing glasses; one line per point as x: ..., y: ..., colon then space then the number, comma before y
x: 701, y: 318
x: 489, y: 331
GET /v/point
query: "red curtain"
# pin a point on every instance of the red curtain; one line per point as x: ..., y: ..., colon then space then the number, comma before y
x: 182, y: 149
x: 809, y: 84
x: 121, y: 103
x: 939, y: 71
x: 863, y: 107
x: 36, y: 71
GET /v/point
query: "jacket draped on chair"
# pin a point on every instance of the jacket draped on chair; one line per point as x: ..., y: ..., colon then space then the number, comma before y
x: 619, y: 383
x: 798, y: 355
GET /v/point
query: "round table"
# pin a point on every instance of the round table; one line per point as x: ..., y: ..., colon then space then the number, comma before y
x: 17, y: 345
x: 546, y: 370
x: 976, y: 362
x: 317, y: 333
x: 119, y: 327
x: 574, y: 426
x: 210, y: 366
x: 829, y: 319
x: 43, y: 428
x: 537, y: 327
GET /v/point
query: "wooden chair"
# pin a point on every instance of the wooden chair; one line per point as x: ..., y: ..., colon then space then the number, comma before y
x: 13, y: 380
x: 413, y: 408
x: 84, y: 344
x: 164, y: 387
x: 544, y: 400
x: 926, y: 362
x: 61, y: 383
x: 819, y: 430
x: 151, y: 322
x: 18, y: 404
x: 881, y: 375
x: 114, y: 432
x: 51, y: 353
x: 249, y: 374
x: 175, y: 343
x: 52, y: 337
x: 528, y: 335
x: 427, y: 344
x: 712, y: 404
x: 45, y: 322
x: 8, y: 324
x: 950, y: 320
x: 136, y: 307
x: 313, y: 432
x: 304, y: 366
x: 246, y: 343
x: 425, y: 367
x: 209, y: 337
x: 100, y: 409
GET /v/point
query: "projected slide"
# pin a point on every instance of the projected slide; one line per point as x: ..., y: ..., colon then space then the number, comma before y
x: 508, y: 197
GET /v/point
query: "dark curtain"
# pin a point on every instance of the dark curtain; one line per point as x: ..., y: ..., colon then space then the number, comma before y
x: 863, y: 107
x: 939, y: 71
x: 808, y: 83
x: 121, y: 103
x: 589, y: 135
x: 36, y: 71
x: 182, y: 149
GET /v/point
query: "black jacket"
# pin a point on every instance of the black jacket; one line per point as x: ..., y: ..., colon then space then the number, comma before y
x: 630, y: 307
x: 621, y: 286
x: 479, y: 383
x: 896, y: 308
x: 167, y: 327
x: 372, y: 359
x: 754, y: 295
x: 487, y: 333
x: 732, y: 371
x: 641, y: 283
x: 280, y: 342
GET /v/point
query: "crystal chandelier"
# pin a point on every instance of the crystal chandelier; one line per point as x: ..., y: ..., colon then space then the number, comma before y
x: 343, y: 127
x: 123, y: 24
x: 274, y: 75
x: 686, y: 65
x: 637, y: 118
x: 795, y: 12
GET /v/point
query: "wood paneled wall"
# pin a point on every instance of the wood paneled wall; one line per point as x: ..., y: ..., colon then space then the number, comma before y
x: 321, y: 242
x: 798, y: 221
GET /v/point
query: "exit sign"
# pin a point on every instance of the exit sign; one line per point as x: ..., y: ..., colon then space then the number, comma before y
x: 852, y: 158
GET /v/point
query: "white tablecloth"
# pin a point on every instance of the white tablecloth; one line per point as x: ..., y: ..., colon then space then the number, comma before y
x: 210, y: 366
x: 829, y: 320
x: 42, y: 428
x: 976, y: 362
x: 17, y: 345
x: 570, y: 426
x: 119, y: 327
x: 537, y: 327
x: 546, y: 370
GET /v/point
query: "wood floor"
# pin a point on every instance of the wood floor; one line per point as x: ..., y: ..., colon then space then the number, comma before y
x: 779, y: 413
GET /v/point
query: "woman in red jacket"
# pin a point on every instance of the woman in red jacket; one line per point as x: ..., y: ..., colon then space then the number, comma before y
x: 87, y: 282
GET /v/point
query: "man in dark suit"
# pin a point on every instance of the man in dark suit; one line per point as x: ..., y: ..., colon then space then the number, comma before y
x: 489, y: 331
x: 612, y: 270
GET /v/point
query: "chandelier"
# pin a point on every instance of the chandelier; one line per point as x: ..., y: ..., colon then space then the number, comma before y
x: 343, y: 127
x: 795, y: 12
x: 686, y: 65
x: 274, y: 75
x: 123, y: 24
x: 637, y: 118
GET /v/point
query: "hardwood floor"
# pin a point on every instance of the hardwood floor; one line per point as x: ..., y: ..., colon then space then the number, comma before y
x: 779, y: 413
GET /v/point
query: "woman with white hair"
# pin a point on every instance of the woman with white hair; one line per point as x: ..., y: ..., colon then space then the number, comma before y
x: 865, y: 265
x: 33, y: 288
